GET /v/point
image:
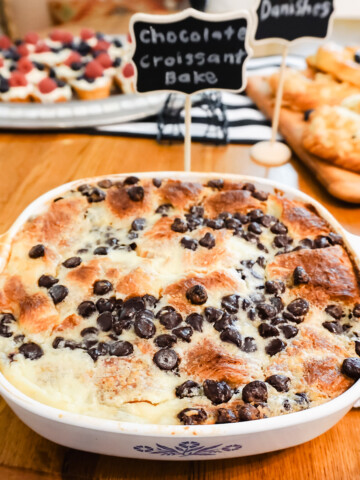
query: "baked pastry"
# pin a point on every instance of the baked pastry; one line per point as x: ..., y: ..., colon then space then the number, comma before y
x: 125, y: 78
x: 342, y: 63
x: 16, y: 88
x: 93, y: 84
x: 167, y: 301
x: 333, y: 134
x: 308, y: 90
x: 51, y: 90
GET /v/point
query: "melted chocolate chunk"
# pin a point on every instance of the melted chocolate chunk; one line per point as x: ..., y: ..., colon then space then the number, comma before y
x: 121, y: 349
x: 58, y: 293
x: 244, y: 219
x: 334, y: 311
x: 31, y: 350
x: 104, y: 321
x: 136, y: 194
x: 132, y: 180
x: 282, y: 241
x: 268, y: 220
x: 289, y: 331
x: 255, y: 392
x: 188, y: 389
x: 192, y: 416
x: 58, y: 342
x: 307, y: 114
x: 230, y: 303
x: 105, y: 305
x: 231, y: 335
x: 37, y: 251
x: 72, y: 262
x: 47, y: 281
x: 274, y: 287
x: 254, y: 227
x: 165, y: 341
x: 298, y: 307
x: 225, y: 322
x: 106, y: 183
x: 250, y: 187
x: 149, y: 300
x: 277, y: 303
x: 279, y: 228
x: 102, y: 287
x: 291, y: 318
x: 275, y: 346
x: 351, y: 368
x: 166, y: 359
x: 157, y: 182
x: 89, y: 331
x: 100, y: 350
x: 218, y: 184
x: 138, y: 224
x: 266, y: 311
x: 101, y: 251
x: 86, y: 309
x: 225, y: 415
x: 321, y: 242
x: 232, y: 224
x: 259, y: 195
x: 179, y: 226
x: 357, y: 348
x: 169, y: 318
x: 217, y: 392
x: 356, y: 311
x: 164, y: 209
x: 197, y: 295
x: 189, y: 243
x: 333, y: 327
x: 335, y: 239
x: 267, y: 331
x: 279, y: 382
x: 213, y: 314
x: 184, y: 333
x: 207, y: 241
x: 215, y: 224
x: 196, y: 321
x: 249, y: 345
x: 144, y: 327
x: 247, y: 413
x: 95, y: 195
x: 300, y: 276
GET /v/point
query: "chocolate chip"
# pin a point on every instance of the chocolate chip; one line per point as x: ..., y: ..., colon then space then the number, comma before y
x: 179, y: 226
x: 254, y: 227
x: 268, y: 220
x: 188, y: 389
x: 100, y: 350
x: 302, y: 399
x: 356, y: 311
x: 86, y: 309
x: 217, y: 392
x: 47, y: 281
x: 244, y: 219
x: 282, y: 241
x: 247, y: 413
x: 101, y: 251
x: 164, y: 209
x: 267, y: 331
x: 5, y: 330
x: 218, y: 184
x: 37, y: 251
x: 196, y: 321
x: 144, y: 327
x: 165, y: 341
x: 102, y: 287
x: 192, y: 416
x: 189, y: 243
x: 334, y: 311
x: 213, y: 314
x: 136, y: 194
x: 262, y: 196
x: 95, y: 195
x: 132, y: 180
x: 72, y: 262
x: 207, y: 241
x: 230, y: 303
x: 58, y: 293
x: 277, y: 303
x: 58, y: 342
x: 250, y: 187
x: 307, y: 114
x: 225, y: 415
x: 279, y: 228
x: 289, y: 331
x: 351, y: 368
x: 105, y: 305
x: 31, y: 350
x: 232, y: 224
x: 307, y: 243
x: 169, y: 318
x: 138, y: 224
x: 89, y: 331
x: 184, y: 333
x: 157, y: 182
x: 149, y: 300
x: 255, y: 392
x: 121, y: 349
x: 249, y: 345
x: 261, y: 262
x: 231, y: 335
x: 266, y: 311
x: 300, y: 276
x: 291, y: 318
x: 106, y: 183
x: 104, y: 321
x: 279, y: 382
x: 333, y: 327
x: 274, y: 287
x: 275, y: 346
x: 197, y: 295
x: 335, y: 239
x: 298, y: 307
x: 321, y: 242
x: 286, y: 405
x: 215, y: 224
x: 357, y: 348
x: 225, y: 322
x: 166, y: 359
x: 257, y: 298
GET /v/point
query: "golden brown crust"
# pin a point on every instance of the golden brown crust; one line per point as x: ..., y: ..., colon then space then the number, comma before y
x: 180, y: 194
x: 231, y: 201
x: 122, y: 206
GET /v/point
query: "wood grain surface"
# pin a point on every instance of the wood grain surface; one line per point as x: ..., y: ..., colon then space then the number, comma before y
x: 341, y: 183
x: 31, y: 165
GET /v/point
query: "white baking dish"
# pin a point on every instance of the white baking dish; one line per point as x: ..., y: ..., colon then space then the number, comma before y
x: 166, y: 442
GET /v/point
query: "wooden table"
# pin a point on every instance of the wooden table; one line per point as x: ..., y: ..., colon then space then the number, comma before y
x: 33, y: 164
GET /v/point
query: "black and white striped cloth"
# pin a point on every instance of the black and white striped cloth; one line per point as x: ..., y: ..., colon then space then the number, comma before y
x: 245, y: 123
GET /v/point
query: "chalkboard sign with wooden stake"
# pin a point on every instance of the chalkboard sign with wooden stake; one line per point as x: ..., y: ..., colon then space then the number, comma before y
x: 286, y: 22
x: 189, y: 52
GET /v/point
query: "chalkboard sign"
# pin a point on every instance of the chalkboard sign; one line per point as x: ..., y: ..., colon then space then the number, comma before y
x: 288, y: 20
x: 190, y: 51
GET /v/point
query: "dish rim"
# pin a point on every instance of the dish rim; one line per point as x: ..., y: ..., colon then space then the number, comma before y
x: 10, y: 392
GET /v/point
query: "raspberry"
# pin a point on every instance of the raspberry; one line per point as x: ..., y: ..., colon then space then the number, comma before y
x: 32, y: 38
x: 47, y: 85
x: 24, y: 65
x: 17, y: 79
x: 5, y: 42
x: 101, y: 45
x: 93, y: 69
x: 128, y: 70
x: 22, y: 50
x: 62, y: 36
x: 74, y: 57
x: 41, y: 47
x: 87, y: 33
x: 104, y: 60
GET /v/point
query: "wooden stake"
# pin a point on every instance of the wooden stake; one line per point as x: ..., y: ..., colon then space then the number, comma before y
x: 279, y: 96
x: 187, y: 145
